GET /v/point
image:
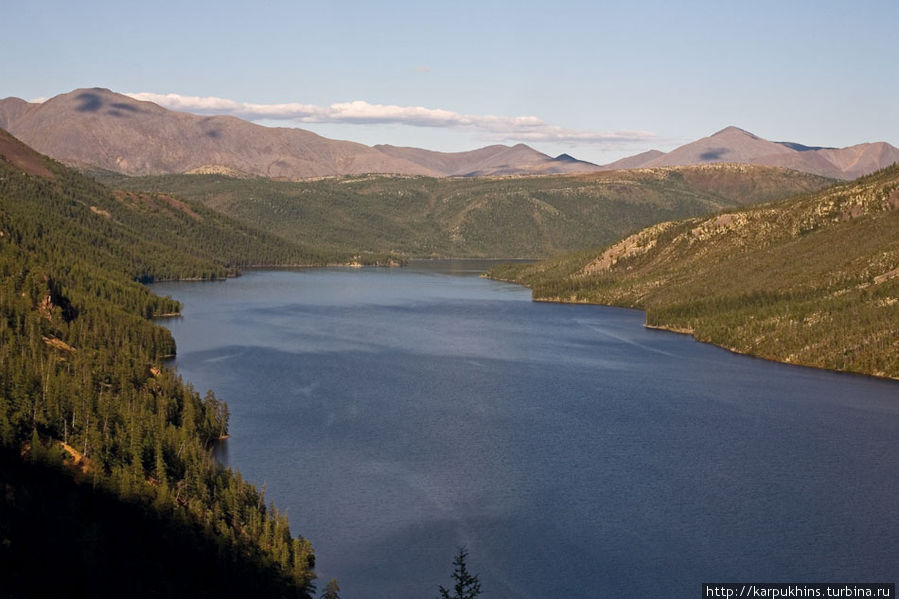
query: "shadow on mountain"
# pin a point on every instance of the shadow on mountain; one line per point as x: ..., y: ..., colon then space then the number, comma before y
x: 62, y: 539
x: 124, y: 106
x: 713, y: 154
x: 802, y: 148
x: 90, y: 102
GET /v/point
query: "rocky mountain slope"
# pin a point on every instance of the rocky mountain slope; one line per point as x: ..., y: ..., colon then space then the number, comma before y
x: 810, y: 280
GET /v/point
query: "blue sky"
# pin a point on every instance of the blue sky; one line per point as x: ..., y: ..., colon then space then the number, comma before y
x: 597, y: 80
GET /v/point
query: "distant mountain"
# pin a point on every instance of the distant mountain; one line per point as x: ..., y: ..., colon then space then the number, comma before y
x: 635, y: 161
x: 733, y: 144
x: 491, y: 160
x: 97, y: 128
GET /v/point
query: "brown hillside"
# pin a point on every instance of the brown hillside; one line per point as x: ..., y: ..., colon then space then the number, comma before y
x: 490, y: 161
x: 99, y: 128
x: 20, y: 155
x: 733, y: 144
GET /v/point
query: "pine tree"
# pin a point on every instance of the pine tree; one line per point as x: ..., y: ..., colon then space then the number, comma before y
x: 467, y: 585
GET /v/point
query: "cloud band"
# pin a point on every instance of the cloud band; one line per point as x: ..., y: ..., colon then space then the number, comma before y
x: 502, y: 128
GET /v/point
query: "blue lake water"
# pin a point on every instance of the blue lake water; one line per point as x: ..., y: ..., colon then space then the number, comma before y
x: 401, y: 413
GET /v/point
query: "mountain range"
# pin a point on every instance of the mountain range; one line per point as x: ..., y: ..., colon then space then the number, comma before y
x: 100, y: 129
x: 733, y: 144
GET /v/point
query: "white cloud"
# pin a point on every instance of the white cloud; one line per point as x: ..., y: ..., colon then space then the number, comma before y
x: 499, y: 128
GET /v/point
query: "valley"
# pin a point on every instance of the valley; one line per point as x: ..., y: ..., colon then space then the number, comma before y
x: 788, y: 265
x: 486, y: 217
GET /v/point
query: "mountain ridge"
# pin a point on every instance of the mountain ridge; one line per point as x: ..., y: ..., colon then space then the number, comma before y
x: 99, y: 129
x: 133, y: 137
x: 477, y: 217
x: 96, y: 128
x: 733, y: 144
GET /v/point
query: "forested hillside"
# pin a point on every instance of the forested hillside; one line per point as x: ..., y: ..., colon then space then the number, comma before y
x: 511, y: 217
x: 84, y: 394
x: 811, y: 280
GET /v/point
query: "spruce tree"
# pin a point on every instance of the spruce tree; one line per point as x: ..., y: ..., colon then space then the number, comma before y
x: 466, y: 585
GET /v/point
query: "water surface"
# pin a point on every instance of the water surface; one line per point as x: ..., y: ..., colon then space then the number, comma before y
x: 400, y: 413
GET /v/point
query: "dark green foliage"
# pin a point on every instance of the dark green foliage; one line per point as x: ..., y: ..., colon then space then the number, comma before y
x: 511, y: 217
x: 811, y: 280
x: 82, y: 380
x: 61, y: 539
x: 466, y: 585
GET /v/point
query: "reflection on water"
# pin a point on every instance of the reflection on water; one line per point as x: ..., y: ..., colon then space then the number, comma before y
x: 400, y: 413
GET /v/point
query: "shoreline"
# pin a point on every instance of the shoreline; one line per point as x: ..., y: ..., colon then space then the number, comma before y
x: 548, y: 300
x: 691, y: 333
x: 734, y: 350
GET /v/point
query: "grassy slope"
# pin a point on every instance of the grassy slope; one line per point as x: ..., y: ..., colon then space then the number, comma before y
x: 514, y: 217
x: 811, y: 280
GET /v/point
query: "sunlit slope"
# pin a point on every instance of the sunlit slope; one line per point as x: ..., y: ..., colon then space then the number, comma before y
x: 810, y: 280
x: 511, y: 217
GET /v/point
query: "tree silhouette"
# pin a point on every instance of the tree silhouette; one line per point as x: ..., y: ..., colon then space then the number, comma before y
x: 332, y: 590
x: 467, y: 585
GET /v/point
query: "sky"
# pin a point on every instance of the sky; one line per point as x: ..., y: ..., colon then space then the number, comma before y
x: 597, y: 80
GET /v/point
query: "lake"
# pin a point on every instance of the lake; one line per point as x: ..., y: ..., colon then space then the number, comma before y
x: 399, y: 414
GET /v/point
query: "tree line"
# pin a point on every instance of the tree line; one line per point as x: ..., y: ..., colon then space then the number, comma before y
x: 83, y: 385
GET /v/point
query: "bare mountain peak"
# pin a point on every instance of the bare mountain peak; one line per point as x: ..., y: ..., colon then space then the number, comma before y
x: 736, y: 145
x: 733, y: 130
x: 494, y: 160
x: 100, y: 128
x: 12, y: 109
x: 100, y: 101
x: 13, y: 100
